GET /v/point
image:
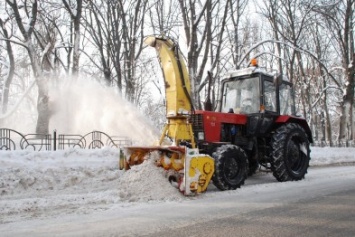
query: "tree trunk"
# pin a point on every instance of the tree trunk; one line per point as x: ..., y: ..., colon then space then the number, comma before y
x: 41, y: 80
x: 42, y: 106
x: 346, y: 117
x: 43, y: 97
x: 11, y: 70
x: 76, y: 18
x: 195, y: 44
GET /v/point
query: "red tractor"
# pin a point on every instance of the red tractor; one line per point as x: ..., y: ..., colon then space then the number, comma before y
x: 255, y: 126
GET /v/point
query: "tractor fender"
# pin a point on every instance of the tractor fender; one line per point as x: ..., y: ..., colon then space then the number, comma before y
x: 282, y: 119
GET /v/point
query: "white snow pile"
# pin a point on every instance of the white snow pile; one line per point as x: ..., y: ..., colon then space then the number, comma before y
x: 47, y: 183
x: 147, y: 182
x: 42, y: 184
x: 332, y: 155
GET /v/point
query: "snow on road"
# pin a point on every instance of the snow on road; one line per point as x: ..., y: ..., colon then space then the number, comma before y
x: 36, y: 186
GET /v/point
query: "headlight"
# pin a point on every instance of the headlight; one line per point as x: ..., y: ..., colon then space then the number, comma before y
x: 201, y: 136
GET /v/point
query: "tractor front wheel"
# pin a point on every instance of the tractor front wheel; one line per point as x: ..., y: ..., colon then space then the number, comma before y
x: 290, y: 153
x: 231, y: 167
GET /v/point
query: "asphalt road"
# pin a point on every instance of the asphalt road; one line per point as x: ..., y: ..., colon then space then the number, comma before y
x: 330, y: 215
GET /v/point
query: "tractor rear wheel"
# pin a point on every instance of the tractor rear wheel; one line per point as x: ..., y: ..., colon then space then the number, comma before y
x: 290, y: 153
x: 231, y: 167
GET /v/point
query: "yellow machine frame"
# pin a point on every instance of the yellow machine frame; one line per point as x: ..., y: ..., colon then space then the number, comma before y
x: 177, y: 91
x: 195, y: 169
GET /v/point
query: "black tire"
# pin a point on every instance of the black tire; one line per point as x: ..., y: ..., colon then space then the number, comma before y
x: 290, y: 153
x: 231, y: 167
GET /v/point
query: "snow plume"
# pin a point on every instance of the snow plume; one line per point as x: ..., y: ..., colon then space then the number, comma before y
x: 79, y: 107
x: 83, y: 106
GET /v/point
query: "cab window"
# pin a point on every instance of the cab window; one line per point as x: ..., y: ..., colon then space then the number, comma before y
x: 286, y: 102
x: 270, y: 96
x: 241, y: 96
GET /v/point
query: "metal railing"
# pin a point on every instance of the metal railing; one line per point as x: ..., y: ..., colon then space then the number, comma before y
x: 14, y: 140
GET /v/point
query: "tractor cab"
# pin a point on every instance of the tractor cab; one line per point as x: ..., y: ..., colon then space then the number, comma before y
x: 254, y: 91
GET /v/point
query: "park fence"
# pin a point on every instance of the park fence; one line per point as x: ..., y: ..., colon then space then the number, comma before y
x: 14, y: 140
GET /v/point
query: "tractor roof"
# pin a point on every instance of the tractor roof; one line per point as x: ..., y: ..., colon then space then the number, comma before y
x: 248, y: 71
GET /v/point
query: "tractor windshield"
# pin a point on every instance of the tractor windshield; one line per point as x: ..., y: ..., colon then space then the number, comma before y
x: 286, y: 102
x: 241, y: 96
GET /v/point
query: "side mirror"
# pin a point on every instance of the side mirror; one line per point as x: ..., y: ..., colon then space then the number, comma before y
x: 278, y: 79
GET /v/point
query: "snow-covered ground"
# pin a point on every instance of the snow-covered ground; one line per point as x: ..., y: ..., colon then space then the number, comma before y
x: 41, y: 185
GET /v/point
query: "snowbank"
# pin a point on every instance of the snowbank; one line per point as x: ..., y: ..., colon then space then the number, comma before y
x: 47, y: 183
x: 331, y: 155
x: 42, y: 184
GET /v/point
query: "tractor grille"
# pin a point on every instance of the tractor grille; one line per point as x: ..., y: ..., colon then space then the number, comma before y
x: 197, y: 122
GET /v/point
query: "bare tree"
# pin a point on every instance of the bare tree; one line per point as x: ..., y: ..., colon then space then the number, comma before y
x: 132, y: 20
x: 10, y: 67
x: 225, y: 45
x: 292, y: 24
x: 41, y: 81
x: 74, y: 8
x: 97, y: 22
x: 197, y: 28
x: 38, y: 39
x: 339, y: 19
x: 323, y: 52
x: 236, y: 10
x: 164, y: 18
x: 116, y: 31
